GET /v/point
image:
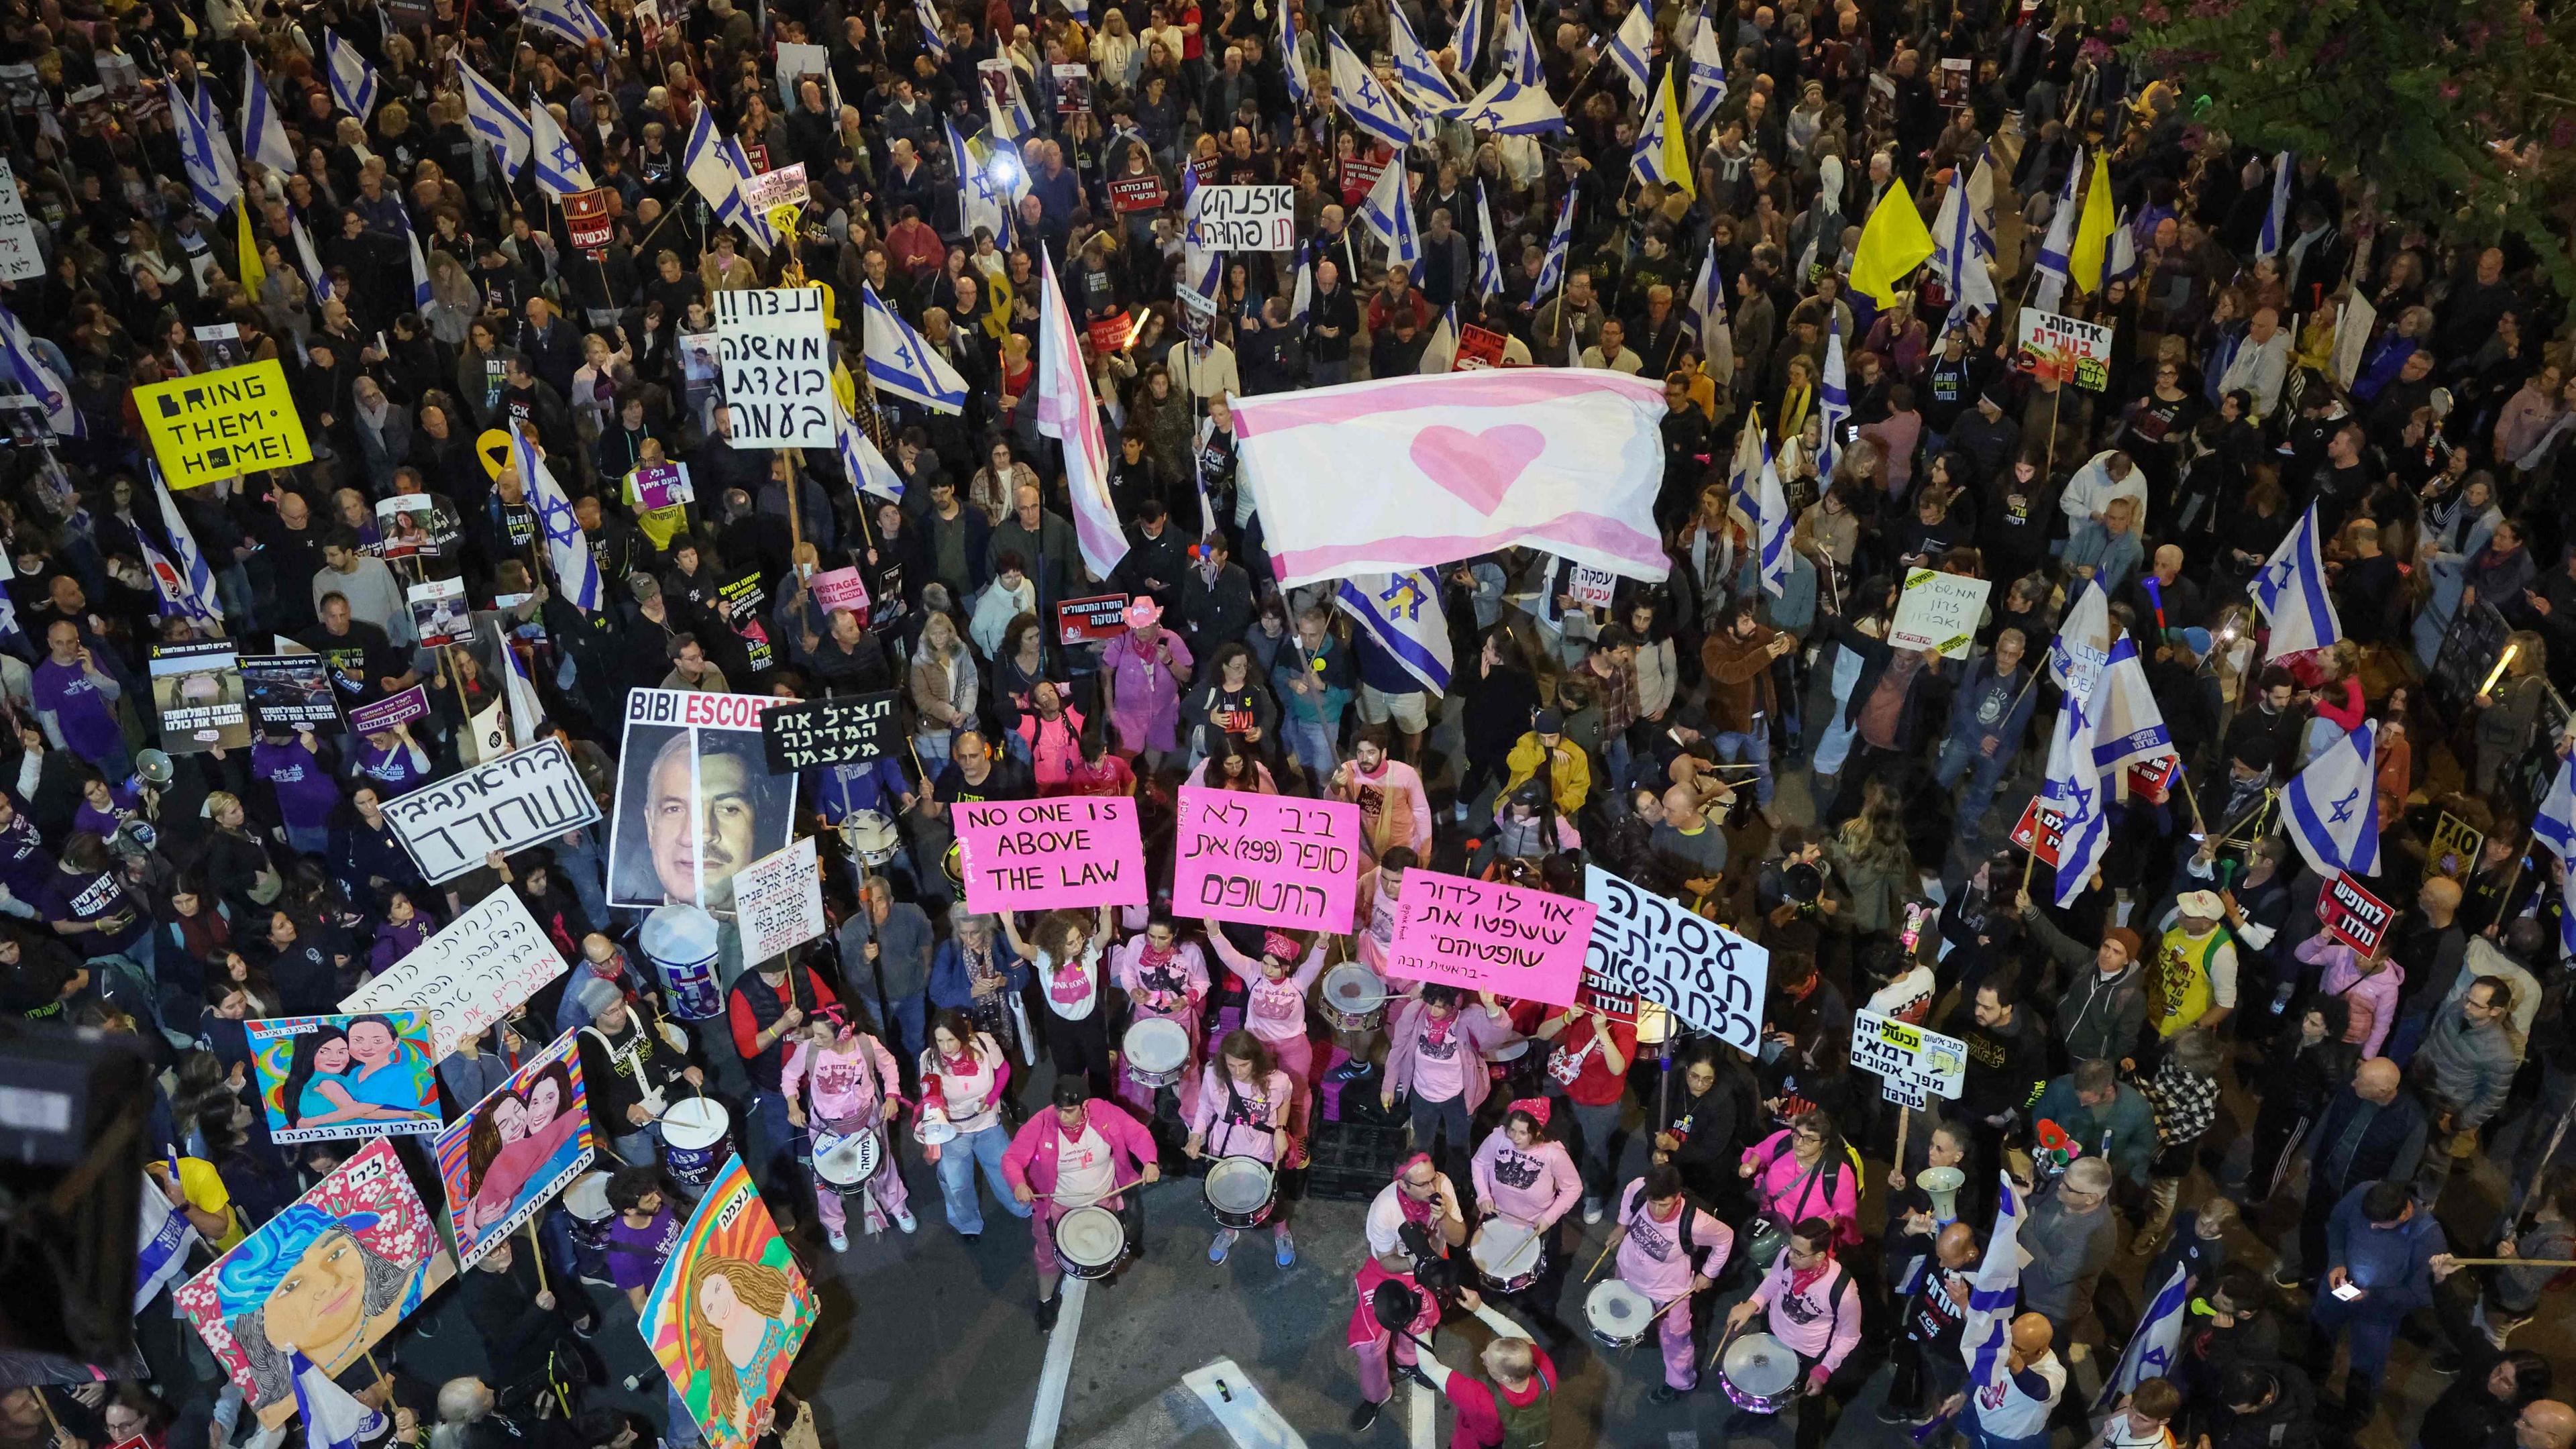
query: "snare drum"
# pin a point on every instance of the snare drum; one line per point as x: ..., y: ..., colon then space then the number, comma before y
x: 1240, y: 1191
x: 1510, y: 1051
x: 1354, y: 998
x: 1157, y: 1051
x: 1509, y: 1254
x: 871, y: 837
x: 681, y: 941
x: 847, y: 1164
x: 587, y: 1202
x: 1617, y: 1313
x: 694, y: 1142
x: 1089, y: 1241
x: 1759, y: 1373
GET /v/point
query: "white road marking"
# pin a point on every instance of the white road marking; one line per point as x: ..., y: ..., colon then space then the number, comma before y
x: 1240, y: 1407
x: 1421, y: 1429
x: 1048, y: 1416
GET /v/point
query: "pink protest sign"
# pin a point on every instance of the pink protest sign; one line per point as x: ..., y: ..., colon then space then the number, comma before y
x: 1036, y: 855
x: 1481, y: 936
x: 842, y: 589
x: 1269, y: 860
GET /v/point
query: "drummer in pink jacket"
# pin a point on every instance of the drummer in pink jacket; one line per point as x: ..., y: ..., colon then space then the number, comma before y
x: 1244, y: 1101
x: 1167, y: 977
x: 1669, y: 1247
x: 1077, y: 1155
x: 1522, y: 1177
x: 839, y: 1081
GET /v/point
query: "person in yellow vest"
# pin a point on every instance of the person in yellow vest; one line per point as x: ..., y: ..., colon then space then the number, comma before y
x: 2194, y: 983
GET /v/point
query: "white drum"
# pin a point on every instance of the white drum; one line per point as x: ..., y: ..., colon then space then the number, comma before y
x: 1354, y: 997
x: 587, y: 1202
x: 1510, y: 1051
x: 1089, y: 1241
x: 694, y: 1142
x: 1759, y: 1373
x: 1240, y: 1191
x: 871, y: 837
x: 1157, y: 1051
x: 1509, y: 1252
x: 847, y: 1164
x: 1618, y: 1314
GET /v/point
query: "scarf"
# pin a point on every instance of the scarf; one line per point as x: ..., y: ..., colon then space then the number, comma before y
x: 1416, y: 1213
x: 1801, y: 1279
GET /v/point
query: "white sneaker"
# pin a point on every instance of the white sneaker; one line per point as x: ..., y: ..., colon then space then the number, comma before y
x: 840, y: 1241
x: 906, y: 1221
x: 1591, y: 1211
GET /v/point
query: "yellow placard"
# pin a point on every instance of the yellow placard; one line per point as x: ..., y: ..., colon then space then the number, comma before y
x: 494, y: 449
x: 223, y: 424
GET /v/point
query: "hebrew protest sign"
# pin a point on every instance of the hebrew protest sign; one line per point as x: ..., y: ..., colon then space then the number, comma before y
x: 321, y: 1281
x: 521, y: 799
x: 778, y: 902
x: 1912, y: 1056
x: 439, y: 612
x: 346, y: 1076
x: 1269, y: 860
x: 1938, y: 611
x: 20, y: 260
x: 1244, y: 218
x: 2065, y: 349
x: 198, y: 693
x: 774, y: 349
x: 487, y: 960
x: 1036, y: 855
x: 1091, y: 620
x: 850, y: 729
x: 515, y: 1149
x: 1485, y: 936
x: 1646, y: 946
x: 384, y: 714
x: 696, y: 801
x: 729, y: 1311
x: 2040, y: 832
x: 2353, y: 915
x: 222, y: 424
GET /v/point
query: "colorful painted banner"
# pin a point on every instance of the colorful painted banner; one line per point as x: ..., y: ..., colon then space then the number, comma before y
x: 1483, y: 936
x: 515, y: 1149
x: 321, y: 1282
x: 2353, y: 915
x: 729, y: 1312
x: 1646, y: 946
x: 371, y: 1075
x: 1269, y: 860
x: 1036, y: 855
x: 474, y: 972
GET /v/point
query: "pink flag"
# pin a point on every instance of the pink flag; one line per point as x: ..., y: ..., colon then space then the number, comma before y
x: 1068, y: 411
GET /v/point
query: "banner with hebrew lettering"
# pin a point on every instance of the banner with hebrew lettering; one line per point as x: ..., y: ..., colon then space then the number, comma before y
x: 471, y: 974
x: 1480, y: 935
x: 513, y: 1151
x: 521, y: 799
x: 1647, y: 946
x: 1266, y: 860
x: 728, y: 1311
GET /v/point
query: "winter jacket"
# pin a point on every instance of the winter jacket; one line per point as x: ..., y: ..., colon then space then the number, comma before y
x: 2465, y: 1069
x: 2371, y: 999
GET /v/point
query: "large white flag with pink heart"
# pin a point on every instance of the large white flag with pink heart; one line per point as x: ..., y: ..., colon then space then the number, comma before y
x: 1412, y: 472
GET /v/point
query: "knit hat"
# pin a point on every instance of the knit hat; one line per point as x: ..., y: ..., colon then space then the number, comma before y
x: 1549, y: 722
x: 2127, y: 940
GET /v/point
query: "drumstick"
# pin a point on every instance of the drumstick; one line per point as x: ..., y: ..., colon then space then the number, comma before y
x: 1650, y: 1323
x: 1104, y: 1197
x: 1723, y: 1340
x: 1606, y: 1250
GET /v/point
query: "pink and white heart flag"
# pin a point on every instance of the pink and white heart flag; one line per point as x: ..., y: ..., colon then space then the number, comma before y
x: 1413, y: 472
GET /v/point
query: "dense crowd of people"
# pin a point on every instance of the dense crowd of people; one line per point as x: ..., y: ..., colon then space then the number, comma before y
x: 2182, y: 1069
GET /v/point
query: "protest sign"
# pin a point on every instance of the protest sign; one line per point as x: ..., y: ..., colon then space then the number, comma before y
x: 663, y: 485
x: 20, y: 261
x: 1090, y: 620
x: 848, y: 729
x: 384, y: 714
x: 198, y: 693
x: 1268, y: 860
x: 1486, y: 936
x: 778, y: 902
x: 521, y: 799
x: 768, y: 191
x: 2153, y: 780
x: 1112, y: 333
x: 288, y: 689
x: 696, y: 801
x: 346, y: 1076
x: 1938, y: 611
x: 2353, y: 915
x: 1592, y: 588
x: 729, y: 1311
x: 439, y: 612
x: 841, y: 589
x: 2065, y: 349
x: 471, y: 974
x: 516, y: 1148
x: 223, y: 424
x: 416, y: 524
x: 1950, y: 82
x: 1136, y: 193
x: 2456, y: 844
x: 1478, y: 348
x: 1646, y: 946
x: 2039, y: 832
x: 1035, y: 855
x: 774, y: 350
x: 797, y: 60
x: 1072, y: 88
x: 586, y: 219
x: 221, y: 343
x: 1244, y: 218
x: 320, y: 1282
x: 486, y: 737
x: 1919, y: 1058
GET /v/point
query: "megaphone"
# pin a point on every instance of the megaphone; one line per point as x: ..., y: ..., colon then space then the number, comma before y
x: 1942, y: 1185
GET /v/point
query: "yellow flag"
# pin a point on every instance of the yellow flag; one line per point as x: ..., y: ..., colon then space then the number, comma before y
x: 1677, y: 161
x: 1894, y: 243
x: 2092, y: 232
x: 253, y: 275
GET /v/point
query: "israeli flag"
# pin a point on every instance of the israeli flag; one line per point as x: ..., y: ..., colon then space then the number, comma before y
x: 2072, y: 789
x: 928, y: 15
x: 1402, y: 613
x: 309, y: 261
x: 204, y: 151
x: 2291, y: 592
x: 1632, y: 46
x: 716, y: 170
x: 521, y: 692
x: 1707, y: 74
x: 1995, y: 1288
x: 2152, y: 1347
x: 1706, y: 313
x: 1489, y: 259
x: 2082, y: 648
x: 1551, y: 268
x: 2554, y: 825
x: 489, y: 114
x: 983, y: 201
x: 1414, y: 65
x: 1960, y: 246
x: 571, y: 19
x: 39, y: 379
x: 353, y: 81
x: 188, y: 588
x: 2276, y: 217
x: 576, y: 572
x: 333, y: 1417
x: 1299, y: 90
x: 1470, y: 37
x: 868, y: 469
x: 1388, y: 210
x: 1506, y: 107
x: 1833, y: 405
x: 1301, y: 302
x: 2124, y: 251
x: 261, y: 131
x: 1369, y: 105
x: 559, y: 168
x: 162, y: 1244
x: 420, y: 293
x: 900, y: 360
x: 1522, y: 57
x: 1647, y: 162
x: 2059, y: 245
x: 1757, y: 481
x: 2127, y: 725
x: 2332, y: 806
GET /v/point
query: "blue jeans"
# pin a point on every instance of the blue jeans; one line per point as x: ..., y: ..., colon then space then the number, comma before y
x: 1310, y: 742
x: 1833, y: 742
x: 769, y: 1147
x: 1614, y: 760
x: 1960, y: 755
x: 2374, y: 1330
x: 639, y: 1148
x: 1329, y: 374
x: 908, y: 1031
x: 1733, y: 746
x: 957, y: 1162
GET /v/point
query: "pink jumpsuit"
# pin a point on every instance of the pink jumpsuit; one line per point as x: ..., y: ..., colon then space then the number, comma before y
x: 1651, y: 1261
x: 846, y: 1087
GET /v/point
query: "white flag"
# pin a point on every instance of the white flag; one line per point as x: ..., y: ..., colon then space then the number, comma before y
x: 2331, y: 808
x: 2083, y: 644
x: 2291, y: 592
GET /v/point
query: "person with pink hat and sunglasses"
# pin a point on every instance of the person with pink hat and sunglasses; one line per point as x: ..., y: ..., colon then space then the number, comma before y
x: 1141, y: 675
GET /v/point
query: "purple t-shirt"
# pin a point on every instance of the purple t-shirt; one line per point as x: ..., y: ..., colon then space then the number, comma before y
x: 306, y: 794
x: 392, y: 771
x: 88, y: 720
x: 89, y: 898
x: 24, y: 866
x: 636, y: 1255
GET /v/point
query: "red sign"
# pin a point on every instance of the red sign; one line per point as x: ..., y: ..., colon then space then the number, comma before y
x: 2354, y: 916
x: 1111, y: 333
x: 1361, y: 173
x: 1136, y: 193
x: 1478, y: 348
x: 1088, y: 621
x: 2039, y: 832
x: 2153, y: 780
x: 586, y: 217
x: 1598, y: 996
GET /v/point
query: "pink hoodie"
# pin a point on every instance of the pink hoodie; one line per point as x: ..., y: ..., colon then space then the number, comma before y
x: 1264, y: 1108
x: 2371, y: 1000
x: 1782, y: 1188
x: 1538, y: 1186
